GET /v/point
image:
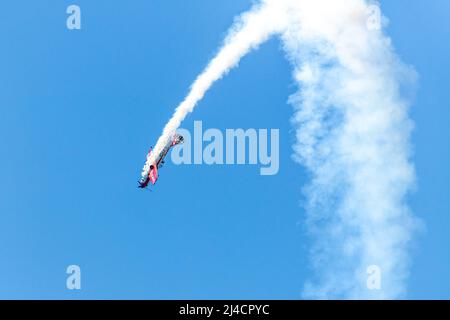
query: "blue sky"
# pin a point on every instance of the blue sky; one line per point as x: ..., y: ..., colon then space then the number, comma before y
x: 79, y: 109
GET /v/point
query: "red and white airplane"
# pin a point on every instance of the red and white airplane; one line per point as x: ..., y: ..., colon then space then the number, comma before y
x: 150, y: 172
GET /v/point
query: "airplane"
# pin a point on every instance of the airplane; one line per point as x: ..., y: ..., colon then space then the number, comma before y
x: 150, y: 173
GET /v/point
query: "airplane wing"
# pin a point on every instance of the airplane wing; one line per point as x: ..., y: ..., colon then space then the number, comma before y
x: 153, y: 174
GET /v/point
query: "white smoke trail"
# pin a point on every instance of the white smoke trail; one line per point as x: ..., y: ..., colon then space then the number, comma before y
x: 249, y: 31
x: 352, y: 135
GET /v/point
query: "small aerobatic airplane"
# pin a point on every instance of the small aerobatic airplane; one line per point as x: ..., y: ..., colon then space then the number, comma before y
x: 150, y: 173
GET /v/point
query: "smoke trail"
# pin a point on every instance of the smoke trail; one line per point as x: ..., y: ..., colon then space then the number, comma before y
x: 353, y: 135
x: 249, y: 30
x: 352, y: 131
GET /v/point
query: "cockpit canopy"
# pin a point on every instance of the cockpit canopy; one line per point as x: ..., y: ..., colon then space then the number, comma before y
x: 143, y: 179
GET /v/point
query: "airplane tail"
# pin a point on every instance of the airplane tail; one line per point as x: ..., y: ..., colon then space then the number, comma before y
x: 177, y: 139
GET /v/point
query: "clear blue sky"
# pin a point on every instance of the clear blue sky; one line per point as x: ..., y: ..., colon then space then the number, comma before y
x: 79, y: 109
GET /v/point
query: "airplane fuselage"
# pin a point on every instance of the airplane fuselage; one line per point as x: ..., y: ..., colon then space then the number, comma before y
x: 150, y: 173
